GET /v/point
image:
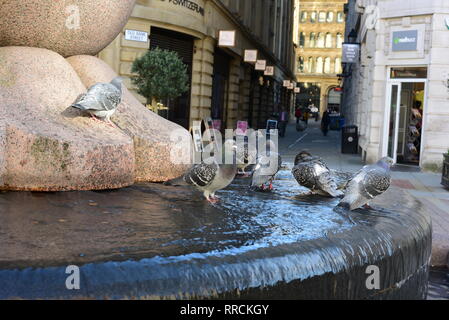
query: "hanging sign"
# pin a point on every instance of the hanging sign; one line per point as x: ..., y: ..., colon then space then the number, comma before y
x: 261, y: 65
x: 269, y: 71
x: 286, y: 83
x: 136, y: 35
x: 250, y: 56
x: 297, y: 90
x: 226, y: 38
x: 350, y: 53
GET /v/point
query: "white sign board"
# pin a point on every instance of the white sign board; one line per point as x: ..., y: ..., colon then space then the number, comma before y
x: 269, y: 71
x: 250, y: 56
x: 135, y: 35
x: 297, y: 90
x: 226, y: 38
x: 286, y: 83
x: 261, y: 65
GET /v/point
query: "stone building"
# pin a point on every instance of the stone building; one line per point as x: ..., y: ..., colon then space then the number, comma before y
x: 319, y: 32
x: 398, y: 91
x: 223, y: 86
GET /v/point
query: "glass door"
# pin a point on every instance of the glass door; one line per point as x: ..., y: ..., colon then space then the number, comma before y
x: 393, y: 116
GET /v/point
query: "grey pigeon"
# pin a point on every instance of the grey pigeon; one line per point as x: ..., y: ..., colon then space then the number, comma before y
x: 265, y: 170
x: 210, y: 176
x: 370, y: 182
x: 101, y: 99
x: 312, y: 172
x: 245, y: 157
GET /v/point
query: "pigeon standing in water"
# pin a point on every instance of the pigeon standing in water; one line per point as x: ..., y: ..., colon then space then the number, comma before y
x: 265, y: 170
x: 370, y: 182
x: 312, y: 172
x: 210, y: 176
x: 101, y: 99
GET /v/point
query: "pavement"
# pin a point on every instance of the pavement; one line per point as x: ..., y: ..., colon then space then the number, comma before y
x: 423, y: 186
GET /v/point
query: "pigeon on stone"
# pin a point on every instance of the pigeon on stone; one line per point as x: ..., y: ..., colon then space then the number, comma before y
x: 265, y: 170
x: 210, y: 176
x: 370, y: 182
x: 312, y: 172
x: 101, y: 99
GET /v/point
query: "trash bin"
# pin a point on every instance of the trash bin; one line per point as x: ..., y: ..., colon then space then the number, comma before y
x: 350, y: 140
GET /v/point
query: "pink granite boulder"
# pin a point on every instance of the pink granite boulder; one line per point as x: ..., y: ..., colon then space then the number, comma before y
x: 64, y: 26
x: 154, y: 137
x: 45, y: 145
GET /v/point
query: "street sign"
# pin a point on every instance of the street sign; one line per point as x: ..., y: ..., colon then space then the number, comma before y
x: 136, y: 35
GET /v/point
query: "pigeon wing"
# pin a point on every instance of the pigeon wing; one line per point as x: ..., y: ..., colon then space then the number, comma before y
x: 100, y: 97
x: 376, y: 181
x: 201, y: 175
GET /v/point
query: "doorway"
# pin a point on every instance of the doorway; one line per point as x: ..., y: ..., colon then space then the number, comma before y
x: 404, y: 114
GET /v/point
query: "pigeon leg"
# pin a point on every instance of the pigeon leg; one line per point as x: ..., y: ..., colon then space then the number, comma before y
x: 367, y: 206
x: 271, y: 186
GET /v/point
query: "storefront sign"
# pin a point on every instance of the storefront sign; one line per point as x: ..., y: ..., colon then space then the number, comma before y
x: 135, y: 35
x: 286, y: 83
x: 297, y: 90
x: 250, y: 56
x: 242, y: 128
x: 350, y: 53
x: 405, y: 40
x: 269, y: 71
x: 226, y: 38
x: 261, y: 65
x: 191, y: 5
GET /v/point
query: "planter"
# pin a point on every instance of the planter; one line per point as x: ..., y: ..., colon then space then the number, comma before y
x: 445, y: 179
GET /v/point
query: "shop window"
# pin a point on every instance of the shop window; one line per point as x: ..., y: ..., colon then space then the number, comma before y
x: 322, y: 17
x: 312, y: 40
x: 313, y: 17
x: 319, y: 65
x: 328, y: 40
x: 330, y: 17
x: 327, y: 65
x: 320, y: 40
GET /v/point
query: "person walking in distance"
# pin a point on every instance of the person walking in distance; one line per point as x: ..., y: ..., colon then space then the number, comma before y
x: 325, y: 122
x: 298, y: 114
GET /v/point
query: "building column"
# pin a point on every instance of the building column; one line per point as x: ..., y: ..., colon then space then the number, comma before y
x: 233, y: 93
x: 202, y: 70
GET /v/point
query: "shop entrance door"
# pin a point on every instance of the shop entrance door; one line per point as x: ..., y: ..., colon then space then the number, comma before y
x: 404, y: 120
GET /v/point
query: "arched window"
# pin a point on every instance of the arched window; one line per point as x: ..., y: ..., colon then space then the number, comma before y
x: 301, y: 64
x: 319, y: 65
x: 312, y: 40
x: 338, y: 65
x: 330, y: 17
x: 339, y: 40
x: 320, y: 40
x: 313, y: 17
x: 310, y: 65
x: 303, y: 17
x: 302, y: 39
x: 340, y: 17
x: 327, y: 65
x: 328, y: 40
x: 322, y: 17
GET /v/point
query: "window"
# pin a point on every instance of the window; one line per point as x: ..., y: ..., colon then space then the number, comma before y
x: 310, y: 65
x: 330, y: 17
x: 320, y: 40
x: 313, y: 17
x: 301, y: 64
x: 339, y: 40
x: 322, y: 17
x: 312, y: 40
x: 327, y: 65
x: 302, y: 38
x: 319, y: 65
x: 340, y: 17
x: 303, y: 17
x: 328, y: 40
x: 337, y: 65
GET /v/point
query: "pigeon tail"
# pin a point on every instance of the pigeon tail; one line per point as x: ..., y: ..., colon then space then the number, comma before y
x: 176, y: 182
x: 79, y: 106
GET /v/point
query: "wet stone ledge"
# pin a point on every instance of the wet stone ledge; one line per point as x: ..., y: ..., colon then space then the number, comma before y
x: 156, y: 242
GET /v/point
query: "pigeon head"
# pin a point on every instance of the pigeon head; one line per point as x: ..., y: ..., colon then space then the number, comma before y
x: 386, y: 162
x: 302, y: 156
x: 117, y: 82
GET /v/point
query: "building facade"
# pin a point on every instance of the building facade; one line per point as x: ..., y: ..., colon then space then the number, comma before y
x: 397, y: 93
x: 222, y: 85
x: 319, y: 32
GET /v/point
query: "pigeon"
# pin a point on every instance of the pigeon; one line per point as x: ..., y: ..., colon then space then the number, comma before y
x: 370, y: 182
x: 209, y: 176
x: 312, y: 172
x: 245, y: 158
x: 101, y: 99
x: 265, y: 170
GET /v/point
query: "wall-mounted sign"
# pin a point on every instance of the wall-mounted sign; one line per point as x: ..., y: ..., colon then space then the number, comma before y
x: 226, y: 38
x: 446, y: 21
x: 261, y: 65
x: 136, y: 35
x: 250, y: 56
x: 404, y: 40
x: 297, y: 90
x: 188, y: 4
x: 350, y: 53
x: 269, y: 71
x: 286, y: 83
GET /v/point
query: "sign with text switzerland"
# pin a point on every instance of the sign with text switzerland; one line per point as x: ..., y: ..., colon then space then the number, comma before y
x: 405, y: 40
x: 350, y: 53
